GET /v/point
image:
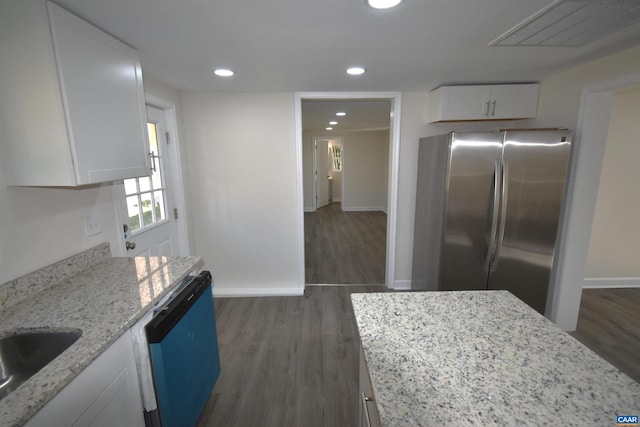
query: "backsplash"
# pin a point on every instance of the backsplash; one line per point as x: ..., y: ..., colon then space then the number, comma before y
x: 18, y: 289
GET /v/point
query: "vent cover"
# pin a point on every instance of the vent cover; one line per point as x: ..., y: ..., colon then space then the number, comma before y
x: 571, y: 23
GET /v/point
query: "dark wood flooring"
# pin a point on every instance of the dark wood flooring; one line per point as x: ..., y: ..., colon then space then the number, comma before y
x: 293, y: 361
x: 287, y: 361
x: 344, y: 247
x: 609, y: 324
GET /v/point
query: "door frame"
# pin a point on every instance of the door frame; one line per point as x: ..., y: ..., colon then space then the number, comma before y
x: 394, y: 156
x: 175, y: 185
x: 567, y: 280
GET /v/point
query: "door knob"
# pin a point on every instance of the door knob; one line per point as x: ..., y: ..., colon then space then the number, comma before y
x: 129, y: 245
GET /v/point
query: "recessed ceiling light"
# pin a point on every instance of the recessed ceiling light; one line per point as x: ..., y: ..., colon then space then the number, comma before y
x: 329, y: 128
x: 223, y: 72
x: 333, y: 122
x: 382, y: 4
x: 341, y: 113
x: 355, y: 71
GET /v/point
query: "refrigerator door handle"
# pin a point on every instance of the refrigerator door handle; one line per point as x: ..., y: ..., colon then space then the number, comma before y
x: 503, y: 215
x: 491, y: 247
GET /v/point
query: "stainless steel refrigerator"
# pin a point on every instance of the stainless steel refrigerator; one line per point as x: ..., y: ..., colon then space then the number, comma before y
x: 487, y: 211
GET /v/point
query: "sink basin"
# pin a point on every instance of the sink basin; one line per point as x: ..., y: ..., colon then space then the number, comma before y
x: 24, y: 354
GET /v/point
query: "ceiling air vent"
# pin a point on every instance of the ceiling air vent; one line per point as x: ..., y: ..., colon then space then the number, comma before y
x: 571, y: 23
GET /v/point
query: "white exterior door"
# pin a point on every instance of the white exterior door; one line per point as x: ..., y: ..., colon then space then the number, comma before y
x: 147, y: 211
x: 322, y: 173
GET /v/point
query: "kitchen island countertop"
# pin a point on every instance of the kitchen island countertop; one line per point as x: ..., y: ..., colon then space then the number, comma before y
x: 104, y: 301
x: 482, y: 358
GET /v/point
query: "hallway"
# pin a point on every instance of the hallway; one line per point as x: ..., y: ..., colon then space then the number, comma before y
x: 344, y: 247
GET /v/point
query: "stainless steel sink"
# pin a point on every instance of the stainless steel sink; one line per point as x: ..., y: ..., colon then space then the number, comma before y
x: 24, y: 354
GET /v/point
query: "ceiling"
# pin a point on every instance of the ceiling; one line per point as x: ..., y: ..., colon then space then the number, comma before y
x: 306, y: 45
x: 361, y: 115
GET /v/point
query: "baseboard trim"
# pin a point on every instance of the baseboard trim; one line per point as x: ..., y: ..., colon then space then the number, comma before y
x: 611, y: 282
x: 309, y: 209
x: 363, y: 208
x: 402, y: 285
x: 257, y: 292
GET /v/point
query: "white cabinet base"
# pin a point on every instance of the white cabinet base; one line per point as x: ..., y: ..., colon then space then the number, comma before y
x: 368, y: 407
x: 106, y: 393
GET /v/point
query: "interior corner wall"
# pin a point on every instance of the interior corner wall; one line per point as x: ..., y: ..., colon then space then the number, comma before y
x: 365, y: 170
x: 614, y: 247
x: 241, y: 151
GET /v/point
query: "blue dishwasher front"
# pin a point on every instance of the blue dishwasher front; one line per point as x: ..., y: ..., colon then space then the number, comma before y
x: 183, y: 345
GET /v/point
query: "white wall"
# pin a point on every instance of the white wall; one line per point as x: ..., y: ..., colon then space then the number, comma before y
x: 241, y: 154
x: 365, y: 170
x: 614, y: 248
x: 40, y: 226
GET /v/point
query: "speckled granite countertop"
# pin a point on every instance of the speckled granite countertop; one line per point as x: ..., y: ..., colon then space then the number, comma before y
x: 103, y: 301
x: 482, y: 358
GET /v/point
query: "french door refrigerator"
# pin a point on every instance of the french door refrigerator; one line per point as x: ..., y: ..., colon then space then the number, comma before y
x: 487, y: 211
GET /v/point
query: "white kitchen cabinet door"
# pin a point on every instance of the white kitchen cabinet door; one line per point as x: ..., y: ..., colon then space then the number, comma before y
x: 105, y: 393
x: 459, y: 102
x: 368, y: 407
x: 514, y: 101
x: 72, y: 101
x: 483, y: 102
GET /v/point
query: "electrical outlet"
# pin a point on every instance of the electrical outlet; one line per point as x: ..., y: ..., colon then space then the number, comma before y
x: 91, y: 226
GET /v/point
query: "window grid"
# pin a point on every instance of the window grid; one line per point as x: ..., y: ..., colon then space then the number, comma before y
x: 145, y: 196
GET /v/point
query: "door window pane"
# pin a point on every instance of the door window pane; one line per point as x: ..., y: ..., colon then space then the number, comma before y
x: 153, y: 137
x: 159, y: 206
x: 156, y: 178
x: 130, y: 186
x: 146, y: 197
x: 133, y: 208
x: 145, y: 184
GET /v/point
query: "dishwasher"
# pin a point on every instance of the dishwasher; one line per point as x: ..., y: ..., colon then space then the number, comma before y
x: 183, y: 348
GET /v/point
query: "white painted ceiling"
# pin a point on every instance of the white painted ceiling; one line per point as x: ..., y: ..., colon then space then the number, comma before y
x: 306, y: 45
x: 361, y: 115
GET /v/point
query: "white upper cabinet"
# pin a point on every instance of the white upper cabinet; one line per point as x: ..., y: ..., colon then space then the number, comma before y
x: 483, y: 102
x: 72, y: 109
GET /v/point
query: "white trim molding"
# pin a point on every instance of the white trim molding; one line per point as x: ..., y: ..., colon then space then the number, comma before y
x: 364, y: 208
x: 222, y: 292
x: 402, y: 285
x: 611, y: 282
x: 392, y: 199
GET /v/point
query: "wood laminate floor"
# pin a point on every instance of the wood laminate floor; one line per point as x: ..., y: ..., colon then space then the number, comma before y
x: 287, y: 361
x: 609, y: 324
x: 293, y: 361
x: 344, y: 247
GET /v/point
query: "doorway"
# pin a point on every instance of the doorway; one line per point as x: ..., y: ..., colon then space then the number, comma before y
x: 326, y: 172
x: 151, y: 210
x: 573, y: 246
x: 388, y: 206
